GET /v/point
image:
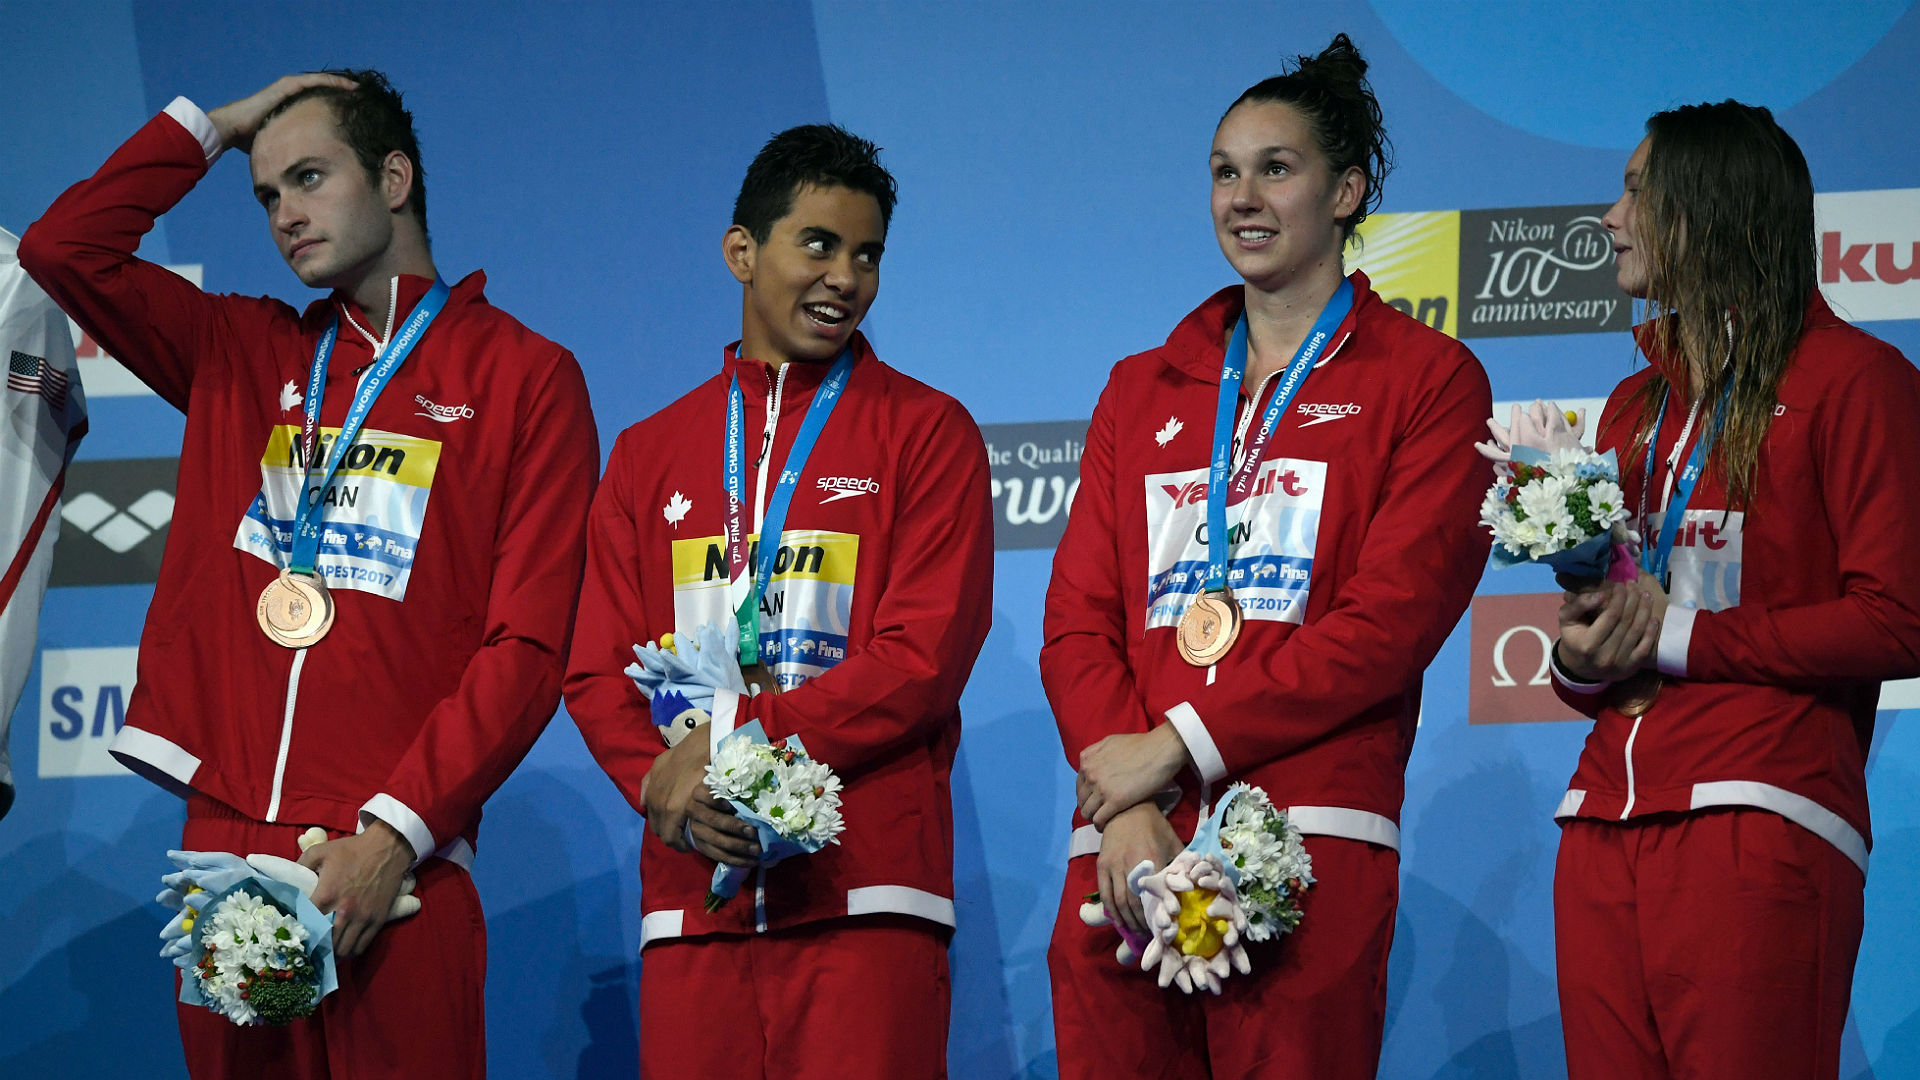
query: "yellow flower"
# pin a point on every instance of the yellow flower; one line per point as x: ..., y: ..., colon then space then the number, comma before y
x: 1197, y: 933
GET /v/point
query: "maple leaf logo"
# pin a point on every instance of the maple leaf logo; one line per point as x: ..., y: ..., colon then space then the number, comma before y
x: 676, y: 509
x: 290, y: 395
x: 1165, y: 435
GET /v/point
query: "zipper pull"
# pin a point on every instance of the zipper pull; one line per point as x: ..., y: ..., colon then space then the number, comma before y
x: 766, y: 444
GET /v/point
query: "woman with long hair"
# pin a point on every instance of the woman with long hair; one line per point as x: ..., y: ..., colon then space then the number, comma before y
x: 1274, y: 532
x: 1707, y: 897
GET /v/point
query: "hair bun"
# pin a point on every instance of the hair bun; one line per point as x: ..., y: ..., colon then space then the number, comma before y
x: 1339, y: 62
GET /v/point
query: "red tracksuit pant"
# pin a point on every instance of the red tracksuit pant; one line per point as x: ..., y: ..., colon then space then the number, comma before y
x: 861, y: 998
x: 1313, y: 1008
x: 411, y: 1006
x: 1699, y: 946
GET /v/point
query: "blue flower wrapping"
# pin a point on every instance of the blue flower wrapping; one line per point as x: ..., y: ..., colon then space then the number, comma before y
x: 773, y: 846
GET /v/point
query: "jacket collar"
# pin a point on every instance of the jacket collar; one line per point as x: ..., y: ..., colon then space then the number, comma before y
x: 1198, y: 346
x: 757, y: 376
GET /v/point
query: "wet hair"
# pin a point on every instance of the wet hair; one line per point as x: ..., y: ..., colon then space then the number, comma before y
x: 1332, y: 92
x: 817, y: 155
x: 1725, y: 220
x: 374, y: 122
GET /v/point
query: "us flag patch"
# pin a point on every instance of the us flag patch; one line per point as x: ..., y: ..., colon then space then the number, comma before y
x: 31, y: 374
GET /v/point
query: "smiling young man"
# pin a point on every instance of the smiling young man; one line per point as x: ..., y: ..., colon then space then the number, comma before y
x: 359, y: 631
x: 869, y: 618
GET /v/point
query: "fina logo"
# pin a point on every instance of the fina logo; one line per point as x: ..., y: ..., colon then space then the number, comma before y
x: 846, y: 487
x: 445, y: 414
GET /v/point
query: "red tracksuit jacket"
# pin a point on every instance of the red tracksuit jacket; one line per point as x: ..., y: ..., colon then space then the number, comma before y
x: 1783, y: 620
x: 1355, y: 556
x: 456, y: 529
x: 879, y: 612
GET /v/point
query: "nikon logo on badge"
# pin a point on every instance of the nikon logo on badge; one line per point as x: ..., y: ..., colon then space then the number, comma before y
x: 83, y: 703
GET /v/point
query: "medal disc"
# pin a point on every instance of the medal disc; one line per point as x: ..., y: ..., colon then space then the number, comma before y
x: 295, y: 610
x: 1208, y: 628
x: 1636, y: 695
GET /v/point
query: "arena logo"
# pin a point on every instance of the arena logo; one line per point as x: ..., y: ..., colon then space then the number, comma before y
x: 114, y: 518
x: 102, y: 375
x: 1870, y: 252
x: 1035, y: 475
x: 1509, y: 680
x: 83, y: 704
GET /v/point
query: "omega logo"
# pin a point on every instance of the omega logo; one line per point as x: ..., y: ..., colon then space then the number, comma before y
x: 1502, y: 677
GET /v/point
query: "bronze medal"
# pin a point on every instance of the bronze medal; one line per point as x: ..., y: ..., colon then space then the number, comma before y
x: 1208, y: 628
x: 294, y: 610
x: 1636, y: 695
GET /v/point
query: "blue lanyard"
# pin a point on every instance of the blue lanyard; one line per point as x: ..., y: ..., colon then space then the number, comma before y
x: 1655, y: 562
x: 1221, y: 476
x: 306, y: 525
x: 747, y: 616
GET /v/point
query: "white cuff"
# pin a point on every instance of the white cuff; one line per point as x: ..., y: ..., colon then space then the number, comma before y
x: 386, y: 808
x: 1560, y: 676
x: 1676, y: 634
x: 1206, y: 756
x: 190, y: 117
x: 726, y: 712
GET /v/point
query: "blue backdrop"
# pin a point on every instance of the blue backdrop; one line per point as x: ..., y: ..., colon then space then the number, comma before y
x: 1053, y: 218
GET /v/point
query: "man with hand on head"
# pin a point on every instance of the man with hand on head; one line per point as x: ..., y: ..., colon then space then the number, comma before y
x: 377, y: 542
x: 867, y: 618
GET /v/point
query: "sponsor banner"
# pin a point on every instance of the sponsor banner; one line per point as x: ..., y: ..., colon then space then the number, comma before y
x: 1036, y: 472
x: 1869, y: 252
x: 1496, y: 273
x: 114, y: 516
x: 1538, y: 270
x: 376, y: 505
x: 1549, y: 269
x: 1508, y: 677
x: 1413, y: 260
x: 83, y: 703
x: 1273, y: 532
x: 804, y: 616
x: 102, y: 375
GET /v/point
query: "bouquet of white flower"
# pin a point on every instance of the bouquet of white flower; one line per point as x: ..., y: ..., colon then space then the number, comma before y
x: 1238, y: 881
x: 790, y: 798
x: 1268, y: 851
x: 1564, y: 509
x: 262, y: 953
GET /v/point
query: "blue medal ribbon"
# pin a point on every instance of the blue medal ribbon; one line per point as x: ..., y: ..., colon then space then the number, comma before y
x: 312, y: 512
x: 1654, y: 559
x: 747, y: 615
x: 1221, y: 475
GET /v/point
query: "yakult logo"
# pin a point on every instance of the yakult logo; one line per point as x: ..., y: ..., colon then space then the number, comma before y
x: 445, y: 414
x: 1870, y: 252
x: 1273, y: 478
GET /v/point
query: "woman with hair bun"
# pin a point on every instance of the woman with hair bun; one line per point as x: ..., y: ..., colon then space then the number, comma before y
x: 1284, y: 645
x: 1707, y: 899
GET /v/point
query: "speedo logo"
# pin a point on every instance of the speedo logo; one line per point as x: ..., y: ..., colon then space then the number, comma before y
x: 1325, y: 412
x: 445, y: 414
x: 846, y: 487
